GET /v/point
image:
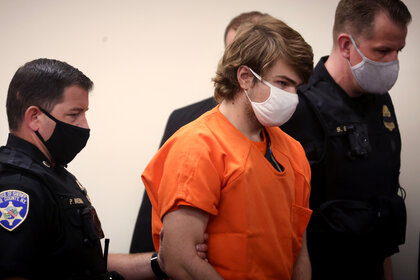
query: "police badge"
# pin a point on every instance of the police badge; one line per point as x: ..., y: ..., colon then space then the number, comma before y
x: 388, y: 120
x: 14, y: 207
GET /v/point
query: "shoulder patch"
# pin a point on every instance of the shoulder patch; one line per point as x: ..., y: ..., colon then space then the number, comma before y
x: 14, y: 207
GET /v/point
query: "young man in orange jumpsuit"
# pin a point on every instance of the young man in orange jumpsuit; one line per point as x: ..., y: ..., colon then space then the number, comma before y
x: 233, y: 173
x: 142, y: 235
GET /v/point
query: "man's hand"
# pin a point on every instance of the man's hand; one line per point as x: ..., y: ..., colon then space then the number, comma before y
x: 201, y: 249
x: 182, y: 246
x: 302, y: 269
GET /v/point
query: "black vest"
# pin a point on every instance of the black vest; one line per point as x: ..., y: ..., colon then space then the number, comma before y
x: 74, y: 250
x: 355, y: 175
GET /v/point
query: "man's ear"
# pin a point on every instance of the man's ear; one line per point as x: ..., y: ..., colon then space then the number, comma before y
x: 344, y: 44
x: 31, y: 118
x: 245, y: 77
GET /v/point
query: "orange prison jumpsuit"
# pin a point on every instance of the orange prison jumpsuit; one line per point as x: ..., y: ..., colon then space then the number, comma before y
x: 257, y: 214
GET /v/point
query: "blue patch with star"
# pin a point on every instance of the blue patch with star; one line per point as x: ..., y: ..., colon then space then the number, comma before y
x: 14, y: 207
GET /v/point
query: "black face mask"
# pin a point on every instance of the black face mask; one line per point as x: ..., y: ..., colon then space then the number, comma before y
x: 66, y: 140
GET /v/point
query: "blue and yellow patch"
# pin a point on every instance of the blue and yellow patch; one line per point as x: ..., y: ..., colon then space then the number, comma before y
x: 14, y: 207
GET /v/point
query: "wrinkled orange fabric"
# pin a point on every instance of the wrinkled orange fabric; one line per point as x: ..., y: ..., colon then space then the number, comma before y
x: 257, y: 214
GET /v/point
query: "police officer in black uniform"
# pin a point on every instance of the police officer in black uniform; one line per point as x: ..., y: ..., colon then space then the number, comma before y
x: 48, y: 227
x: 346, y: 123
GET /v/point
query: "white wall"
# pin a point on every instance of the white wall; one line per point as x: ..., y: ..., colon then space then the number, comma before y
x: 150, y: 57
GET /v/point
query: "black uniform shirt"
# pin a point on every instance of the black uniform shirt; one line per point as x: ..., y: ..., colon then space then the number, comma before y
x: 353, y: 146
x: 55, y: 236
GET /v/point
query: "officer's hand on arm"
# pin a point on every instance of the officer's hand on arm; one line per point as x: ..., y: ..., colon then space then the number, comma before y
x: 202, y: 248
x: 184, y: 228
x: 138, y: 266
x: 302, y: 269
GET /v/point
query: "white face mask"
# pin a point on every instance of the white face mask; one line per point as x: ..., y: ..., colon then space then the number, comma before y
x: 372, y: 76
x: 277, y: 109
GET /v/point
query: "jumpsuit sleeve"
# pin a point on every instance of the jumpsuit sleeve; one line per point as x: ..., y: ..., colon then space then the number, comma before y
x: 186, y: 171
